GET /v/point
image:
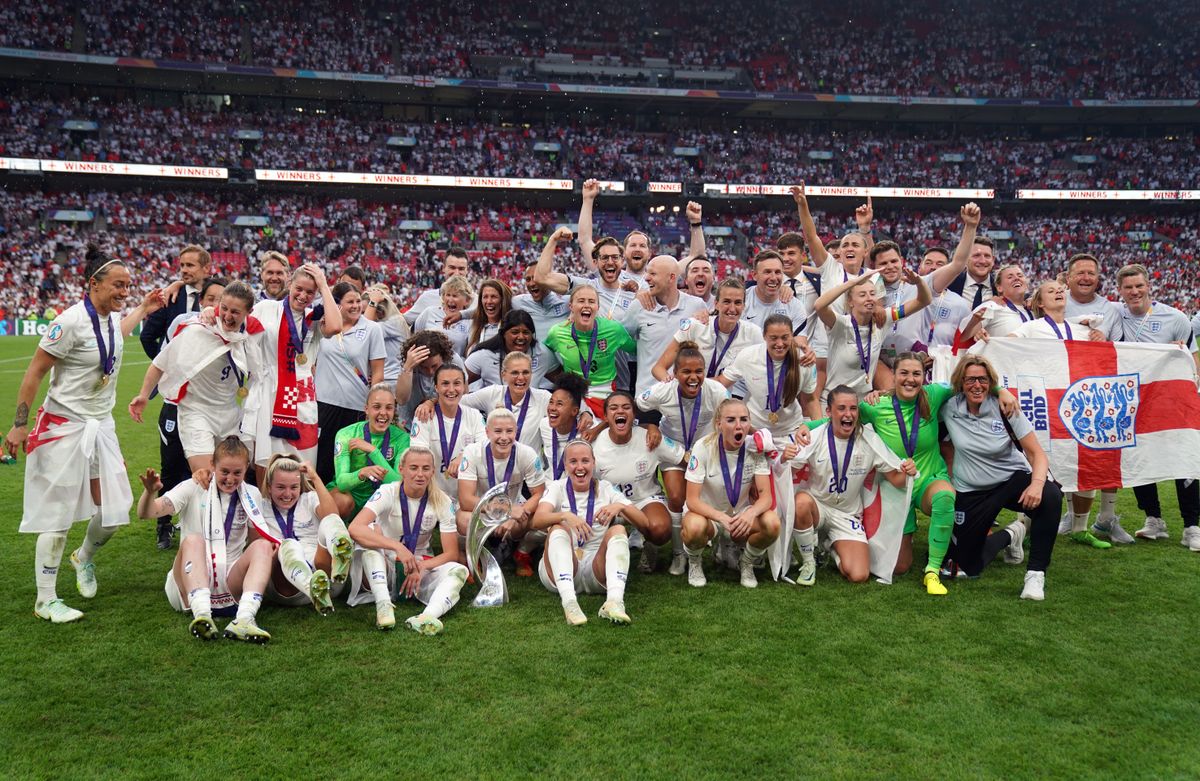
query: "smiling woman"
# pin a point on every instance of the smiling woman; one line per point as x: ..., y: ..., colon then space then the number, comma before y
x: 587, y: 345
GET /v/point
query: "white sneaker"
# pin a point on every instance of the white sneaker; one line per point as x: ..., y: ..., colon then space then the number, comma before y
x: 678, y: 563
x: 56, y: 612
x: 1064, y: 525
x: 746, y: 566
x: 424, y: 625
x: 385, y: 615
x: 1015, y: 552
x: 808, y: 573
x: 574, y: 613
x: 614, y: 611
x: 1111, y: 528
x: 695, y: 571
x: 1035, y: 586
x: 1155, y: 529
x: 649, y: 559
x: 1191, y: 538
x: 85, y: 576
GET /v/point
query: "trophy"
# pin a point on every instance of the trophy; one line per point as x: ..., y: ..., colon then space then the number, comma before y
x: 492, y: 510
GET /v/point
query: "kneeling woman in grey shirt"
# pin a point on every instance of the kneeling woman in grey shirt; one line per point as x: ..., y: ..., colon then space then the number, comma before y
x: 998, y: 464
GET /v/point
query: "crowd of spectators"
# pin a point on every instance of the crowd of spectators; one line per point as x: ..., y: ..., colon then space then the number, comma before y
x: 1021, y: 48
x: 398, y: 243
x: 204, y: 134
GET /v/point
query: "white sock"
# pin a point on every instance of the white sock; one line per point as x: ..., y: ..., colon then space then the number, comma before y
x: 331, y: 528
x: 562, y: 564
x: 805, y: 540
x: 753, y: 553
x: 375, y: 565
x: 295, y: 567
x: 97, y: 535
x: 47, y: 556
x: 248, y: 605
x: 697, y: 553
x: 1079, y: 521
x: 616, y: 567
x: 200, y: 601
x: 1108, y: 503
x: 445, y: 596
x: 676, y: 532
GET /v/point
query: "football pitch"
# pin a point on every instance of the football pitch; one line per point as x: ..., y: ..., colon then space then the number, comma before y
x: 1102, y: 680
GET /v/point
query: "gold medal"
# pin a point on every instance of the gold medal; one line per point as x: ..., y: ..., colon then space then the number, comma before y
x: 243, y: 392
x: 579, y: 554
x: 773, y: 417
x: 301, y: 358
x: 103, y: 380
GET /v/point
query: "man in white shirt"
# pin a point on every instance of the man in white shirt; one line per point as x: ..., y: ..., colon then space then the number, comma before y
x: 654, y: 328
x: 454, y: 264
x: 977, y: 284
x: 636, y: 247
x: 1084, y: 299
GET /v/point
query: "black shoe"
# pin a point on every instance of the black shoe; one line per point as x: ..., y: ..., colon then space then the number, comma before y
x: 165, y: 532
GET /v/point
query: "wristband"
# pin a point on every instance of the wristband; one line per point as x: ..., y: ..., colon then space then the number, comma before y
x: 695, y: 224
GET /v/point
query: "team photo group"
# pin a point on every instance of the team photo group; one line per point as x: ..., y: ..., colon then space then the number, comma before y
x: 805, y: 420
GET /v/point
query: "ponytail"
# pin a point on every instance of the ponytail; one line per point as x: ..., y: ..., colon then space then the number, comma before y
x: 791, y: 377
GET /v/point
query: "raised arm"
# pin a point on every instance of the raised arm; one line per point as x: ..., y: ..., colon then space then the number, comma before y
x: 865, y: 216
x: 695, y: 216
x: 151, y: 303
x: 823, y: 303
x: 816, y: 250
x: 331, y: 323
x: 913, y: 305
x: 970, y: 214
x: 591, y: 188
x: 544, y: 273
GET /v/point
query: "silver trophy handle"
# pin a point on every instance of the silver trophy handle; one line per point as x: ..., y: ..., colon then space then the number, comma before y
x: 493, y: 509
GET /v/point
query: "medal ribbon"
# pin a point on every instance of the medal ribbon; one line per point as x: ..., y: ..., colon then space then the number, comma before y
x: 840, y: 481
x: 234, y: 501
x: 864, y: 356
x: 909, y: 441
x: 556, y: 460
x: 448, y: 448
x: 108, y: 352
x: 591, y: 505
x: 297, y: 339
x: 508, y: 404
x: 383, y: 447
x: 412, y: 528
x: 1022, y: 313
x: 689, y: 432
x: 585, y: 368
x: 286, y: 526
x: 774, y: 388
x: 715, y: 362
x: 491, y: 465
x: 733, y: 489
x: 1057, y: 332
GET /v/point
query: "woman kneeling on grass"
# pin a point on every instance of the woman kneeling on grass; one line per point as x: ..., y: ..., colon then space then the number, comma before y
x: 396, y: 525
x: 220, y: 566
x: 315, y: 545
x: 577, y: 512
x: 720, y: 476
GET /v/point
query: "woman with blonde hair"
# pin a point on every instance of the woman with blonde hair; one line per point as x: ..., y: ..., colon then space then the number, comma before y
x: 456, y: 295
x: 381, y: 308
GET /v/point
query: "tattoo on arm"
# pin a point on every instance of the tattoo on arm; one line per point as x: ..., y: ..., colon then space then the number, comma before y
x: 22, y: 416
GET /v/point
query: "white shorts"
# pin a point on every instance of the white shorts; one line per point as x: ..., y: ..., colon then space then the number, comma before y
x: 641, y: 503
x: 296, y: 600
x: 199, y: 433
x: 361, y: 594
x: 836, y: 525
x: 585, y: 576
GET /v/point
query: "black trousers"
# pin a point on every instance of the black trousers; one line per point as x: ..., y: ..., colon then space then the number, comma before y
x: 1188, y: 495
x: 174, y: 464
x: 974, y: 512
x: 330, y: 420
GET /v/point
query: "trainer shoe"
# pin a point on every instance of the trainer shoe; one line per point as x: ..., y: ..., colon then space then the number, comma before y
x: 1155, y: 529
x: 933, y: 585
x: 524, y: 564
x: 614, y: 611
x: 385, y: 615
x: 1087, y: 538
x: 1015, y: 553
x: 247, y: 631
x: 1064, y: 525
x: 203, y: 627
x: 746, y: 567
x: 343, y: 554
x: 574, y: 613
x: 951, y: 570
x: 424, y: 625
x: 678, y: 563
x: 165, y: 532
x: 85, y: 576
x: 649, y: 558
x: 808, y: 573
x: 695, y: 571
x: 318, y: 588
x: 1111, y: 528
x: 56, y: 612
x: 1191, y: 538
x: 1035, y: 586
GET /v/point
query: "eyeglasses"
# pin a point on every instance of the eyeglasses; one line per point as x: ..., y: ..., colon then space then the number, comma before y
x: 975, y: 381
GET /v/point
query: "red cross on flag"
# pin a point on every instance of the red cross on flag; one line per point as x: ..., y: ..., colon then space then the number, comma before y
x: 1108, y: 414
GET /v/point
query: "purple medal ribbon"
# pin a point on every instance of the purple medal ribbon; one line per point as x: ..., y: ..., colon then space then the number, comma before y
x: 909, y: 441
x: 239, y: 376
x: 1057, y: 332
x: 715, y: 362
x: 234, y: 501
x: 864, y: 356
x: 556, y: 460
x: 733, y: 489
x: 297, y: 339
x: 412, y: 528
x: 508, y: 404
x: 1025, y: 315
x: 288, y: 526
x: 775, y: 389
x: 840, y: 482
x: 591, y: 505
x: 108, y: 355
x: 689, y: 432
x: 491, y: 464
x: 384, y: 447
x: 585, y: 368
x: 448, y: 448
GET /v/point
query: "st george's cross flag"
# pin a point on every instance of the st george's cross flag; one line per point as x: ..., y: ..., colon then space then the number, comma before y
x: 1108, y: 414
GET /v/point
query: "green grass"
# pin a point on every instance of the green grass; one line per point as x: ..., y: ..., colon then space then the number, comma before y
x: 835, y: 682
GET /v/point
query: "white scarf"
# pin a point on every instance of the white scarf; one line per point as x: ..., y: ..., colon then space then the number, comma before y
x: 215, y: 541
